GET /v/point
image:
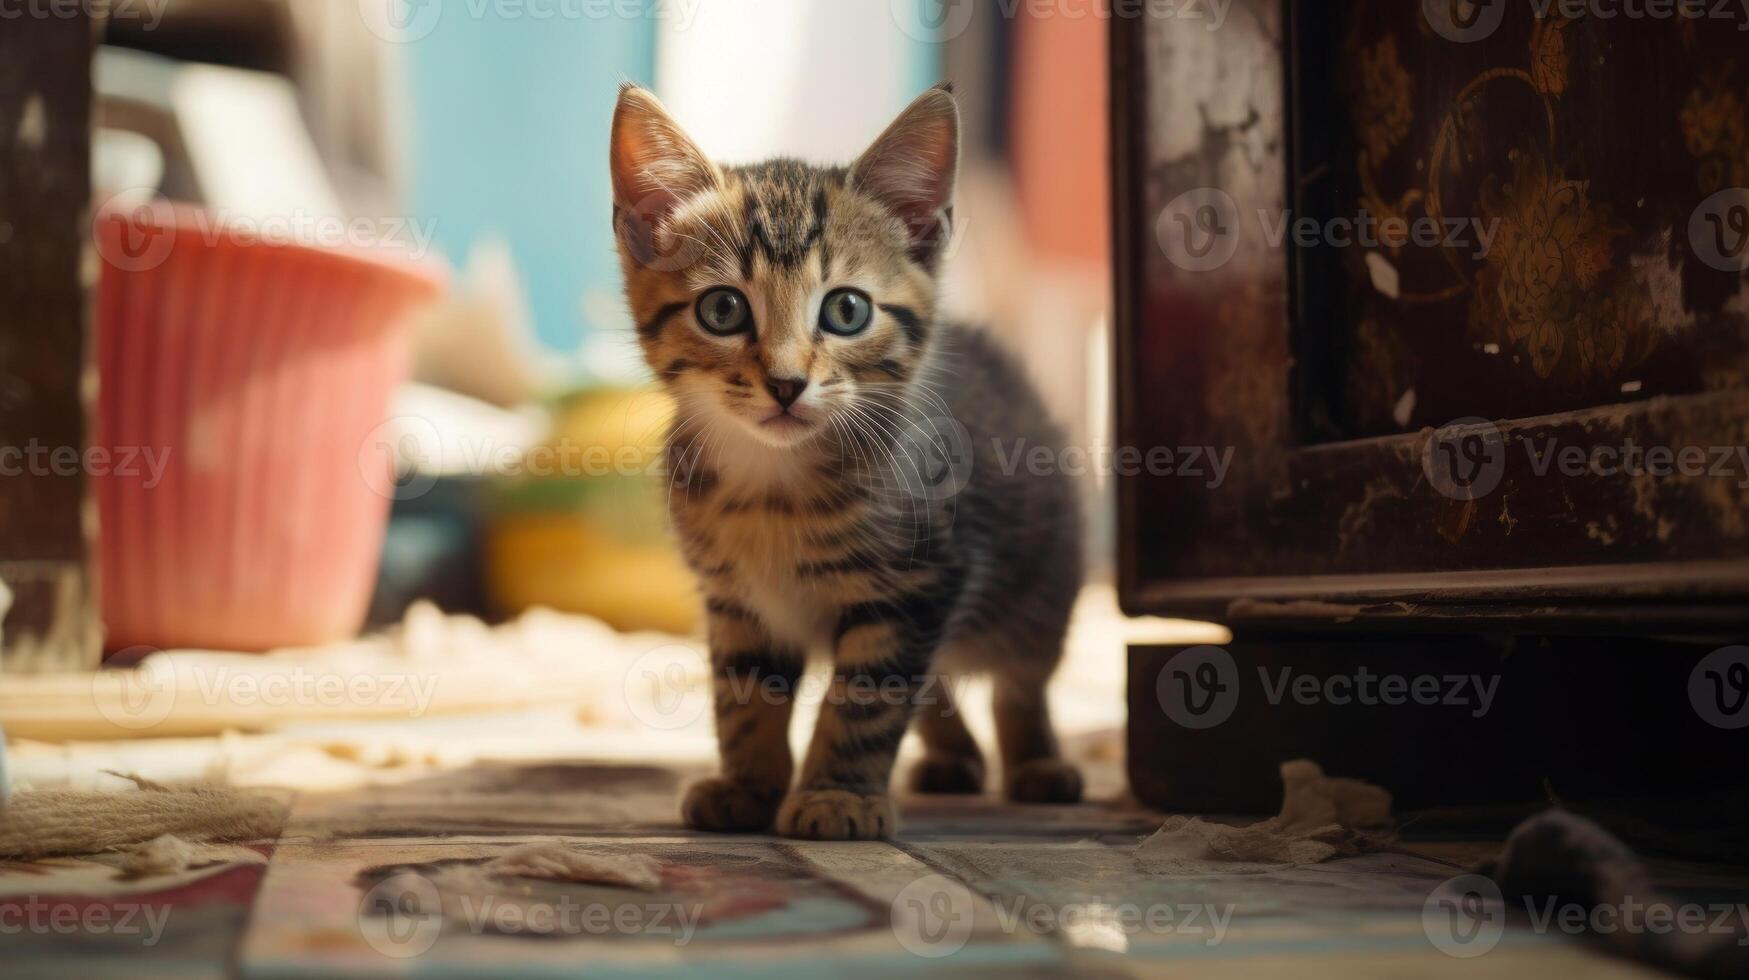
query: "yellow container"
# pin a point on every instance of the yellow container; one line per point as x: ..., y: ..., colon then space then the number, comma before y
x: 583, y: 526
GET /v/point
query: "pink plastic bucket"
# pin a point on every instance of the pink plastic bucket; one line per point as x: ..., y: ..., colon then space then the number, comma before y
x: 241, y: 506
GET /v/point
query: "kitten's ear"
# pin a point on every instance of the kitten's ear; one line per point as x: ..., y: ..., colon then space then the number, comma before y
x: 911, y: 168
x: 655, y: 164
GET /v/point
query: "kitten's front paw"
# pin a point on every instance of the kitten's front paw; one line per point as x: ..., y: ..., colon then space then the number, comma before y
x: 724, y: 807
x: 1044, y: 781
x: 834, y: 814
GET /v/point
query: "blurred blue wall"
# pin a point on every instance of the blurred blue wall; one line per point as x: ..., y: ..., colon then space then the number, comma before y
x: 510, y: 122
x: 509, y: 138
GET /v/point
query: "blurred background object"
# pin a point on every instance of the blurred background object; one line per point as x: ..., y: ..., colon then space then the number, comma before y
x: 244, y: 505
x: 584, y: 526
x: 505, y: 120
x: 51, y: 622
x: 474, y: 136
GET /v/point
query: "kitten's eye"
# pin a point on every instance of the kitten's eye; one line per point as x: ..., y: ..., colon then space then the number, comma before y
x: 846, y: 312
x: 723, y: 311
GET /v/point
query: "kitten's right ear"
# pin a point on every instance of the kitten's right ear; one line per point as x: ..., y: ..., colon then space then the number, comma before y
x: 912, y: 167
x: 655, y: 165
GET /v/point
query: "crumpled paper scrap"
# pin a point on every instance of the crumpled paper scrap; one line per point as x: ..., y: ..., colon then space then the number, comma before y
x: 1320, y: 818
x: 557, y: 862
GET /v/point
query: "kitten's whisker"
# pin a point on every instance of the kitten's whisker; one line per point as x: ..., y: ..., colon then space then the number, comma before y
x: 919, y: 521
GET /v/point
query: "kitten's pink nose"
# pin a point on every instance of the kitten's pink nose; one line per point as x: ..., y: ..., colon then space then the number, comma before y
x: 786, y: 390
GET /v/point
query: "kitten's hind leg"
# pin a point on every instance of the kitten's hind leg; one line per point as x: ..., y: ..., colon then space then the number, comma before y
x: 1032, y: 769
x: 951, y: 763
x: 754, y: 683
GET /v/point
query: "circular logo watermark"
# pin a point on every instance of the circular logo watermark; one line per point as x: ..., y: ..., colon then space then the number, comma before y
x: 137, y: 698
x: 402, y: 916
x: 1465, y: 459
x: 134, y: 230
x: 1464, y: 21
x: 1465, y: 916
x: 1199, y: 687
x: 1719, y: 230
x: 639, y: 226
x: 1719, y: 688
x: 933, y: 916
x: 660, y: 687
x: 396, y: 458
x: 401, y: 21
x: 1199, y: 229
x: 932, y: 458
x: 932, y: 21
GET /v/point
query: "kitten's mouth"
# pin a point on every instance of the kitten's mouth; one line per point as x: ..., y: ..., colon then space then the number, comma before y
x: 785, y: 422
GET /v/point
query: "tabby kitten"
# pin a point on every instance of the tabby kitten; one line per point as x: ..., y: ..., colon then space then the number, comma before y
x: 790, y: 311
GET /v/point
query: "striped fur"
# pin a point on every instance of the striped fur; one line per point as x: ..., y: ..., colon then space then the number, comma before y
x: 808, y: 529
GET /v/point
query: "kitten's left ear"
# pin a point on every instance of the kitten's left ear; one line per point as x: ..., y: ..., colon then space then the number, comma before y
x: 655, y: 165
x: 911, y: 169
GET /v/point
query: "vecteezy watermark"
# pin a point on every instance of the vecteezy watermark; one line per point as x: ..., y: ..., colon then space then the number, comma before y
x: 933, y: 458
x: 566, y: 916
x: 406, y: 21
x: 143, y: 697
x: 944, y: 20
x: 1466, y: 459
x: 148, y: 223
x: 405, y: 914
x: 1719, y: 688
x: 143, y: 463
x: 149, y: 11
x: 399, y: 458
x: 401, y: 916
x: 1465, y: 21
x: 672, y: 686
x: 32, y: 915
x: 1718, y: 231
x: 1207, y: 463
x: 1111, y: 924
x: 935, y: 916
x: 1199, y: 688
x: 1467, y: 917
x: 1464, y: 916
x: 928, y: 459
x: 1201, y: 230
x: 667, y: 687
x: 1363, y: 687
x: 1631, y: 459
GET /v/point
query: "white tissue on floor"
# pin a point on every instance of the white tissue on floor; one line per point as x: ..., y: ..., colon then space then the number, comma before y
x: 1320, y: 818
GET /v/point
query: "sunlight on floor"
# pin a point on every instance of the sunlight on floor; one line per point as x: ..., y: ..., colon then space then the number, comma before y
x: 443, y: 692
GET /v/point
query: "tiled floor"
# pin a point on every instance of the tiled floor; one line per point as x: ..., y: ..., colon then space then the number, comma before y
x: 376, y: 873
x: 382, y: 882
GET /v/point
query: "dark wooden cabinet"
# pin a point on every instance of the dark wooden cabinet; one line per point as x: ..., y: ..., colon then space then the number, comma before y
x: 1458, y: 294
x: 1470, y: 316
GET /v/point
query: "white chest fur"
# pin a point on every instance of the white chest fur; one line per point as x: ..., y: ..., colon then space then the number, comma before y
x: 765, y: 546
